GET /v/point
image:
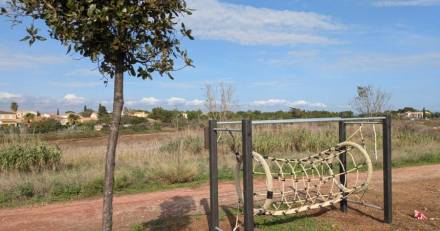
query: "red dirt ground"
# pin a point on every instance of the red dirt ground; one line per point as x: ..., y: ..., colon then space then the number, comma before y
x: 413, y: 188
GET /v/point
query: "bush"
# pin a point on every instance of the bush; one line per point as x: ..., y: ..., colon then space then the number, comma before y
x: 174, y: 172
x: 64, y: 191
x: 45, y: 126
x: 191, y: 144
x: 93, y: 187
x: 29, y: 157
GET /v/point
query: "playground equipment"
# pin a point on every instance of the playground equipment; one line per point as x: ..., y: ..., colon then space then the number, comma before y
x: 294, y: 185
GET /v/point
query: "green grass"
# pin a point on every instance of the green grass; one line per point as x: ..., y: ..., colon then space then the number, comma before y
x: 291, y: 223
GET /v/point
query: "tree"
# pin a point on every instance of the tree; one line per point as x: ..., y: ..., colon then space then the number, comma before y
x: 407, y: 109
x: 103, y: 115
x: 161, y: 114
x: 58, y: 111
x: 14, y: 106
x: 296, y: 112
x: 73, y: 119
x: 29, y: 117
x: 226, y: 92
x: 138, y: 37
x: 370, y: 101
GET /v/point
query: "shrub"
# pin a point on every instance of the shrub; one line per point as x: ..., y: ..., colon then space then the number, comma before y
x: 93, y: 187
x: 190, y: 144
x: 172, y: 173
x: 45, y: 126
x: 29, y: 157
x: 61, y: 190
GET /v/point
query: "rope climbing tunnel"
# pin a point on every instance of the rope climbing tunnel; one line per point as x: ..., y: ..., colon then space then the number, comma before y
x: 285, y: 186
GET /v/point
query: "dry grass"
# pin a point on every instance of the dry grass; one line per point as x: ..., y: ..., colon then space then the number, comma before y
x: 154, y: 164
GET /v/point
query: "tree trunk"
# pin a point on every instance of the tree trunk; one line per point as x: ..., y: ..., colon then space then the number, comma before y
x: 118, y: 104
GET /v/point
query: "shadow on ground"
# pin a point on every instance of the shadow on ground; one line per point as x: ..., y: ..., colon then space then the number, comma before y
x: 175, y: 215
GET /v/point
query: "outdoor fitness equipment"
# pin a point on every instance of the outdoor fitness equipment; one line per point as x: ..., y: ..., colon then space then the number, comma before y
x: 297, y: 185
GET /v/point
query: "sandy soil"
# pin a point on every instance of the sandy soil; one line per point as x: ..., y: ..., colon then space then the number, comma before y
x: 414, y: 188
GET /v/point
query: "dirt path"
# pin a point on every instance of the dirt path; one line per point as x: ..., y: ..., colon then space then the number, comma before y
x: 414, y: 188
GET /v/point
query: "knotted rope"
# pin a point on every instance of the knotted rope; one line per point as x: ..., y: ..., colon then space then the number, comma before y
x: 297, y: 185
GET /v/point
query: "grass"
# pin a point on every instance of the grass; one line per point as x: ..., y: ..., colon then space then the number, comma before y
x: 291, y: 223
x: 181, y: 161
x: 262, y: 223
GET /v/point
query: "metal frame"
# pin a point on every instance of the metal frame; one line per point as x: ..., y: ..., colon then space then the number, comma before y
x: 211, y: 134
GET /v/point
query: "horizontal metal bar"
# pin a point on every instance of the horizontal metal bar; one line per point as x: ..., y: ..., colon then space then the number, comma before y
x: 308, y: 120
x: 227, y: 130
x: 379, y: 118
x: 362, y: 122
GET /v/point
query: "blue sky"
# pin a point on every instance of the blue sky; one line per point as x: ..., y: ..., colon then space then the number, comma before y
x: 275, y: 53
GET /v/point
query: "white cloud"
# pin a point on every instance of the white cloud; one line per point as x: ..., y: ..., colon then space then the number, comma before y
x: 72, y: 99
x: 390, y: 3
x: 287, y: 103
x: 174, y: 101
x: 6, y: 96
x: 195, y: 102
x: 12, y: 60
x: 149, y: 101
x: 271, y: 102
x: 252, y: 25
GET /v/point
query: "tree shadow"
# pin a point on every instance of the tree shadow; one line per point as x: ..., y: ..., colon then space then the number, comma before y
x: 175, y: 215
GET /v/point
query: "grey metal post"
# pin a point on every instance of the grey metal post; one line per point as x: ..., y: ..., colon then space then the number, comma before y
x: 387, y: 177
x: 248, y: 190
x: 343, y: 165
x: 213, y: 176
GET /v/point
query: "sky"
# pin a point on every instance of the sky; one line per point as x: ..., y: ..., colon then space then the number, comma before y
x: 276, y: 54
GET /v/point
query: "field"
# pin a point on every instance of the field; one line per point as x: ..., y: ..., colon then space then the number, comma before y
x: 155, y: 162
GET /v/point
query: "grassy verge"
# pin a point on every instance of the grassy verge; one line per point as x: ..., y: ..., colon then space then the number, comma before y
x: 181, y: 161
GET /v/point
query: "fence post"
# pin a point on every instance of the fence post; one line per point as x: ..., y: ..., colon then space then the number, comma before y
x: 213, y: 176
x: 387, y: 177
x: 343, y: 166
x: 247, y: 175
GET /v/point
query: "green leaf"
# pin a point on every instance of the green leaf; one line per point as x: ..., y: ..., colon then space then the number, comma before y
x: 41, y: 38
x: 27, y: 37
x: 91, y: 10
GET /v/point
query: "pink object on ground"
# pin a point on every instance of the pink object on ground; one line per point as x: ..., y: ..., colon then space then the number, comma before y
x: 419, y: 215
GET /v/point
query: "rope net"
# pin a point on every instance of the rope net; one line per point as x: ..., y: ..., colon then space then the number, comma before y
x: 285, y: 186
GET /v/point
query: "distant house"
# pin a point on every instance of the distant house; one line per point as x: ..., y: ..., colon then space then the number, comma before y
x: 412, y: 115
x: 63, y: 119
x: 8, y: 119
x: 22, y: 114
x: 140, y: 114
x: 184, y: 115
x: 94, y: 116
